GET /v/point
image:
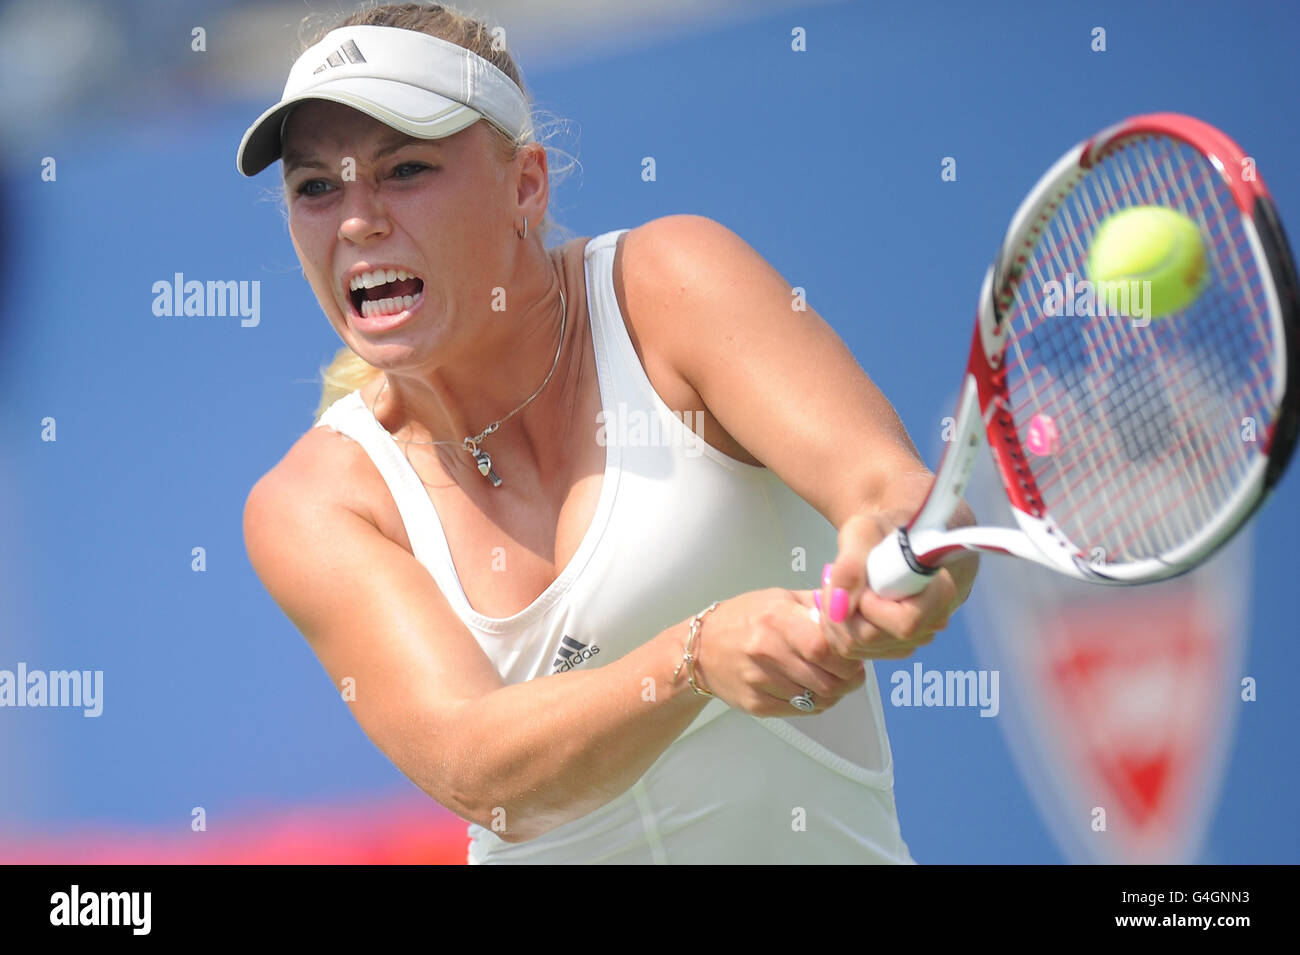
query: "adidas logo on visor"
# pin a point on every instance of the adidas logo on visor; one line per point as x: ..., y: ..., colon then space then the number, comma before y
x: 347, y: 53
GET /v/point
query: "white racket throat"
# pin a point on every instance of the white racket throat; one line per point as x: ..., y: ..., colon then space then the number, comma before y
x: 904, y: 563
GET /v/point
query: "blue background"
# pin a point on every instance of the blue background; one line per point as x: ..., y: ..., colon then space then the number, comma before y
x: 826, y: 161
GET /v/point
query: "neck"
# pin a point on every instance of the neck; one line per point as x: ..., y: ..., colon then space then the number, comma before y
x: 505, y: 357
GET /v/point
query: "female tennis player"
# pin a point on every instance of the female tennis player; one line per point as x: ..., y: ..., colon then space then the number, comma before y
x: 615, y: 459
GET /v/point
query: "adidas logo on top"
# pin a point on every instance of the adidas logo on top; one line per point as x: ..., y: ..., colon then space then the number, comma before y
x: 572, y: 653
x: 347, y: 53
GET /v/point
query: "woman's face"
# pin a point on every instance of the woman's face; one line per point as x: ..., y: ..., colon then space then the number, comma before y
x: 363, y: 197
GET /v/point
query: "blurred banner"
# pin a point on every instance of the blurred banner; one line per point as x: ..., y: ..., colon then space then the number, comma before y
x: 1119, y: 703
x: 402, y: 830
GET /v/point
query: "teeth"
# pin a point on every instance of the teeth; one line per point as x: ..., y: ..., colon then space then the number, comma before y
x: 378, y: 277
x: 387, y: 306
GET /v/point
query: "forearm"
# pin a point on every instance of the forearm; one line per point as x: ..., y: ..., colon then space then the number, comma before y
x: 905, y: 492
x: 538, y: 754
x: 897, y: 502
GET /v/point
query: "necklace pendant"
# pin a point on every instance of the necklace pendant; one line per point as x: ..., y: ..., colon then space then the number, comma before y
x: 485, y: 467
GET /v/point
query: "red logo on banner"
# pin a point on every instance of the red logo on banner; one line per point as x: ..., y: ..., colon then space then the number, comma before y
x: 1128, y: 688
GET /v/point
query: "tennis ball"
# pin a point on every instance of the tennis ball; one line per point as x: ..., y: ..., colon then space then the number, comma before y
x: 1147, y: 244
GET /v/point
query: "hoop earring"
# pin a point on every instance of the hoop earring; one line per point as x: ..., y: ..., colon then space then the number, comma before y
x: 524, y: 234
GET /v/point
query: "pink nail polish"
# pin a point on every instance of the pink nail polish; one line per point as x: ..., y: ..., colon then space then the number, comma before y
x: 826, y: 575
x: 839, y: 605
x: 817, y: 598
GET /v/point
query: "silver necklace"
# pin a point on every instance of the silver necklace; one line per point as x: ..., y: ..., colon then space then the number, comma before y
x: 481, y: 457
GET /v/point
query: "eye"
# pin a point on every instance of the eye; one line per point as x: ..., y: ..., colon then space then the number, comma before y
x: 407, y: 170
x: 309, y: 188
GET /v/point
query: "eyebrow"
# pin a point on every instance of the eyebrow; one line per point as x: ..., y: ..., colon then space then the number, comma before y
x: 388, y: 145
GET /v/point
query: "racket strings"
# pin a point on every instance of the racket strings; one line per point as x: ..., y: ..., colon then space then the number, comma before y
x: 1144, y: 432
x: 1138, y: 412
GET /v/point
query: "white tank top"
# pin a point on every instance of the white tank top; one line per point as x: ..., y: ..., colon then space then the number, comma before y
x: 678, y: 524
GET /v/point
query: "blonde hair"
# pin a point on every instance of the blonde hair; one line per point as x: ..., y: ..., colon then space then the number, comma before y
x: 348, y: 371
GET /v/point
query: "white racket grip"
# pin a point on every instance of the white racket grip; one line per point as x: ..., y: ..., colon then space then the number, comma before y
x: 890, y: 573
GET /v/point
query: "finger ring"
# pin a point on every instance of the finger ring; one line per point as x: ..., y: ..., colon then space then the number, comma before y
x: 803, y: 701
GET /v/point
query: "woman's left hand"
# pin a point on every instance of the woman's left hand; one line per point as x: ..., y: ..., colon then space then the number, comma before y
x: 873, y: 627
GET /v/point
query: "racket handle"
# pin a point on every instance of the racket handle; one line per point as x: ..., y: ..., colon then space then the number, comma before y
x: 893, y: 572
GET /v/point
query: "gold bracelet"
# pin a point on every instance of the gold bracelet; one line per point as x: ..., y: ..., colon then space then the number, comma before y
x: 688, y: 655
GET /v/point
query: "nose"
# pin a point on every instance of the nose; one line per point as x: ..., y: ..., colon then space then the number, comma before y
x: 364, y: 218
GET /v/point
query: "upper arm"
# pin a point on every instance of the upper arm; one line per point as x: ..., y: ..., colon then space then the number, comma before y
x: 372, y: 614
x: 777, y: 379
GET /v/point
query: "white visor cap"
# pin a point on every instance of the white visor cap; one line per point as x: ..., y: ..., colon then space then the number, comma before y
x: 426, y: 87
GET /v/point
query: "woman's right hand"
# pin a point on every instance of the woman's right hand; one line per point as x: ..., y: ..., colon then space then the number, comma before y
x: 758, y: 650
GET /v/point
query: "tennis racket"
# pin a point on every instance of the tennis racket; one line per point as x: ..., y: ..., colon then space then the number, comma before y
x: 1129, y: 451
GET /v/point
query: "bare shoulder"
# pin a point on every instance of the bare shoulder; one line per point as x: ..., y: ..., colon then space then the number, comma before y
x: 664, y: 257
x: 324, y: 474
x: 318, y: 468
x: 678, y: 273
x: 677, y: 240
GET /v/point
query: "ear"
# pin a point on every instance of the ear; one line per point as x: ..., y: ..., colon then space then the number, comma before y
x: 532, y: 183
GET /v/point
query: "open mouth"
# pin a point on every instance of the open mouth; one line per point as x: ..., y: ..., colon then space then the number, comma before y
x: 384, y: 292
